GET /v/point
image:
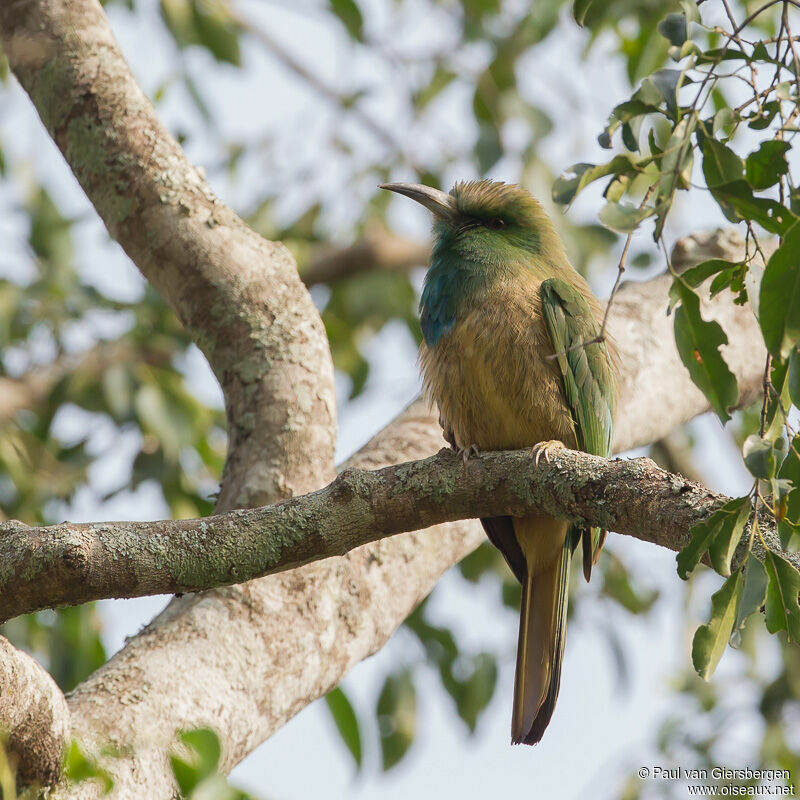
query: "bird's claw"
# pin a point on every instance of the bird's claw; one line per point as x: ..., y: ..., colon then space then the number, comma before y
x: 545, y: 449
x: 466, y: 453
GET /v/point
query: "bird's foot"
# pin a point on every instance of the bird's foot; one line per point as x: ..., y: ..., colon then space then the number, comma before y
x: 545, y: 449
x: 467, y: 453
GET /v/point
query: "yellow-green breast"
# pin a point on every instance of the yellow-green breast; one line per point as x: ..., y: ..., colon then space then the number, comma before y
x: 490, y: 376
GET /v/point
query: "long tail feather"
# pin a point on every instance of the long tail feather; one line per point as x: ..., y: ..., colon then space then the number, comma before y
x: 542, y: 630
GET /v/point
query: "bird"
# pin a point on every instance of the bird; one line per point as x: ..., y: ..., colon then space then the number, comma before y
x: 514, y: 355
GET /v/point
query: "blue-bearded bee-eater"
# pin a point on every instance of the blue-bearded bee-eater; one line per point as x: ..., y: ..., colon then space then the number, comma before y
x: 511, y: 356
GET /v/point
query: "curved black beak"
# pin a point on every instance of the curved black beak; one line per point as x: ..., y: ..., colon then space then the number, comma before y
x: 439, y: 203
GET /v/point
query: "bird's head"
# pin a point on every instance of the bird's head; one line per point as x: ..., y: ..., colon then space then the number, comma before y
x: 483, y: 221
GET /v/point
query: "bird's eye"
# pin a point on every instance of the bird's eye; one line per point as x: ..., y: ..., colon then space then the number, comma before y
x: 496, y: 224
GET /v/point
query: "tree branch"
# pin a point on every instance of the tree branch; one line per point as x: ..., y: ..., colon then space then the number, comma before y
x: 75, y: 563
x: 377, y: 249
x: 242, y: 301
x: 238, y: 295
x: 33, y: 716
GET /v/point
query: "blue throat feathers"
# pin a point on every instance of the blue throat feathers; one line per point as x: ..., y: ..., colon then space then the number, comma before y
x: 463, y: 269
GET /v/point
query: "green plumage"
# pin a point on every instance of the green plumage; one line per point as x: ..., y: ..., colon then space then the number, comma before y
x: 506, y: 357
x: 588, y: 382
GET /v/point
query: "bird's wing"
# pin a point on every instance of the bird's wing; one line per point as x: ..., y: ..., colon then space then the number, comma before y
x: 587, y: 377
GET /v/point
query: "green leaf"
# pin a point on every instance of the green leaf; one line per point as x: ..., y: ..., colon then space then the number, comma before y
x: 764, y: 457
x: 579, y: 176
x: 667, y: 82
x: 698, y: 343
x: 788, y: 511
x: 50, y: 235
x: 760, y: 52
x: 676, y: 169
x: 759, y: 120
x: 442, y: 78
x: 720, y: 164
x: 346, y: 722
x: 217, y: 30
x: 624, y: 114
x: 738, y: 203
x: 205, y: 743
x: 697, y: 275
x: 753, y: 591
x: 624, y: 217
x: 397, y: 717
x: 794, y: 377
x: 208, y: 23
x: 204, y: 753
x: 469, y: 679
x: 488, y: 147
x: 783, y: 612
x: 177, y: 16
x: 777, y: 401
x: 724, y: 121
x: 779, y: 297
x: 618, y: 584
x: 691, y: 10
x: 78, y: 768
x: 711, y: 639
x: 724, y: 544
x: 673, y: 28
x: 718, y: 535
x: 350, y: 16
x: 765, y: 166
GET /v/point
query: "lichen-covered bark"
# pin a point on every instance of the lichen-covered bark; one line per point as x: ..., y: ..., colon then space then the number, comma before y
x: 238, y: 294
x: 34, y: 720
x: 247, y: 666
x: 74, y: 563
x: 244, y: 304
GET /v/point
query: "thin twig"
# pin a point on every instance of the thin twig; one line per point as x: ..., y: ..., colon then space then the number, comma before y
x: 323, y: 88
x: 601, y: 336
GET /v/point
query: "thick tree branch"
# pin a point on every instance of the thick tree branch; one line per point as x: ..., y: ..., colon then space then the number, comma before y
x: 242, y: 301
x: 245, y: 667
x: 74, y: 563
x: 238, y: 295
x: 33, y: 716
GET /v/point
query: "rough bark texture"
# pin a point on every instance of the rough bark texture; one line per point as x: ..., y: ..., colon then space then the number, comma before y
x: 247, y: 658
x: 70, y: 563
x: 33, y: 715
x: 247, y: 667
x: 238, y: 295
